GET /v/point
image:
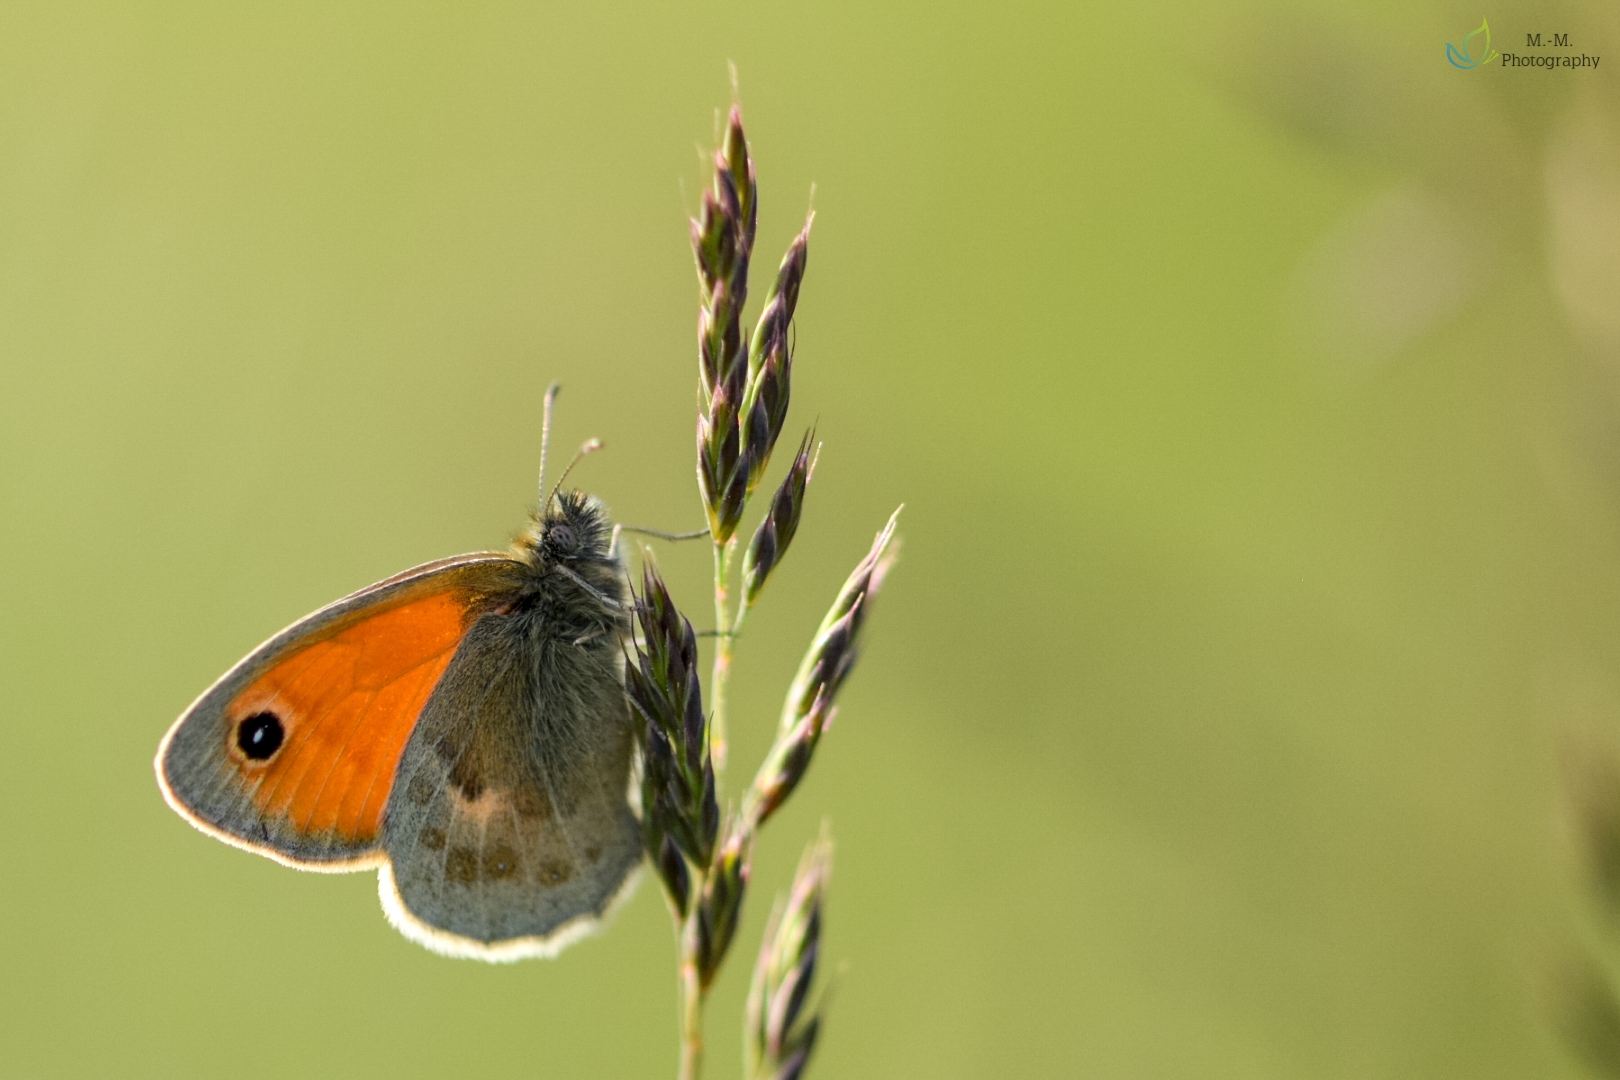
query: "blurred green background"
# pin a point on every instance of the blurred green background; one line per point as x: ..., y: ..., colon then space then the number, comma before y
x: 1252, y: 382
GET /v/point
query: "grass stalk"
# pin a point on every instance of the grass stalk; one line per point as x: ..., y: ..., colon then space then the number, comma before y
x: 693, y: 998
x: 725, y: 633
x: 745, y: 385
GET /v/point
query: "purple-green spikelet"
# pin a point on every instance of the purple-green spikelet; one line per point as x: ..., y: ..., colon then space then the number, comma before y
x: 679, y: 809
x: 723, y: 241
x: 780, y: 1032
x: 720, y: 903
x: 810, y: 707
x: 770, y: 360
x: 781, y: 521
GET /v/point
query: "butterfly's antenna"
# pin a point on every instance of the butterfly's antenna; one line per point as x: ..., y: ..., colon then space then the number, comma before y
x: 591, y: 446
x: 545, y: 432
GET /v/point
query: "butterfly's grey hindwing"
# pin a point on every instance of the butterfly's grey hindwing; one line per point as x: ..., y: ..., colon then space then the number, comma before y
x: 508, y: 826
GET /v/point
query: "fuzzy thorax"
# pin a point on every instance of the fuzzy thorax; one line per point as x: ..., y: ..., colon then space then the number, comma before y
x: 567, y: 550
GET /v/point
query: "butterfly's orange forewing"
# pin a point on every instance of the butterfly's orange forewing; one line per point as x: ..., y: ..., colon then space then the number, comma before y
x: 348, y: 703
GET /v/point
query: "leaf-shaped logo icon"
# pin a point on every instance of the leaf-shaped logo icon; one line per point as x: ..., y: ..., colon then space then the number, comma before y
x: 1464, y: 57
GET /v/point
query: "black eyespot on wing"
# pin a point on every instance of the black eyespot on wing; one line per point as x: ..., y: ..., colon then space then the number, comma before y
x: 260, y: 736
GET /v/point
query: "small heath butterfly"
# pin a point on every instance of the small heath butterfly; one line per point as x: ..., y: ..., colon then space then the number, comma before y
x: 460, y: 727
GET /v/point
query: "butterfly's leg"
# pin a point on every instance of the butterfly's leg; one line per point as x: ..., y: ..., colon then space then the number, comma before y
x: 660, y: 534
x: 605, y: 601
x: 613, y: 547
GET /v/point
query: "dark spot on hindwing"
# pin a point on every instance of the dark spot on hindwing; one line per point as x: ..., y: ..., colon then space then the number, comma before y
x: 260, y: 736
x: 500, y: 862
x: 465, y: 775
x: 462, y: 758
x: 554, y: 871
x: 593, y: 853
x: 420, y: 790
x: 461, y: 866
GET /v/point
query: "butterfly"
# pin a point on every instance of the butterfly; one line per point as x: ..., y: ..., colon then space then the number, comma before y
x: 461, y: 727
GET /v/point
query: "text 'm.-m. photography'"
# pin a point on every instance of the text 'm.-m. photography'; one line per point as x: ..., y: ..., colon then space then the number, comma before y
x: 1476, y: 52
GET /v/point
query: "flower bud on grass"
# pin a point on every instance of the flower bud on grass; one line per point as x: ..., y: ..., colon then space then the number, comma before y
x: 779, y: 1034
x: 775, y: 533
x: 739, y: 166
x: 720, y: 904
x: 666, y: 697
x: 722, y: 241
x: 673, y: 873
x: 810, y: 707
x: 770, y: 360
x: 722, y: 465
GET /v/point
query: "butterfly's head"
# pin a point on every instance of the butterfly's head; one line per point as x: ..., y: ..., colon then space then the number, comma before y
x: 572, y: 528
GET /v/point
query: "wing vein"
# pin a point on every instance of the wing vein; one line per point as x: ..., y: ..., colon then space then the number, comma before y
x: 370, y: 697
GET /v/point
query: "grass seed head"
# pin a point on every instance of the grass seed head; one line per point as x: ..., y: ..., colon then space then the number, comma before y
x: 739, y: 166
x: 666, y: 698
x: 722, y: 242
x: 673, y: 873
x: 775, y: 533
x: 723, y: 464
x: 810, y: 705
x: 770, y: 359
x: 780, y: 1031
x: 720, y: 904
